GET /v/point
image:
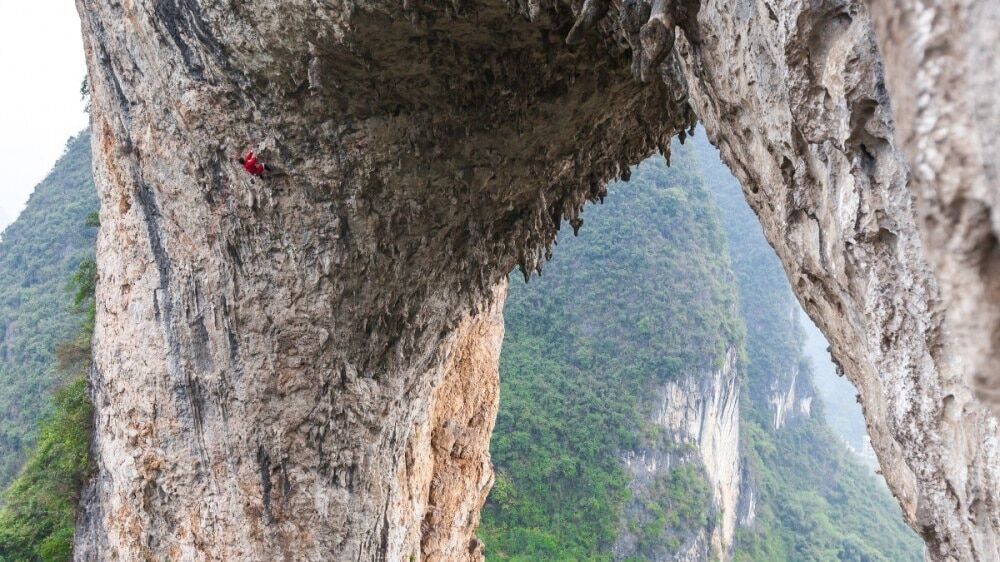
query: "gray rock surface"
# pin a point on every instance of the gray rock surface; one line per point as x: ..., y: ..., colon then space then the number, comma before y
x: 267, y: 351
x: 800, y: 114
x: 943, y: 71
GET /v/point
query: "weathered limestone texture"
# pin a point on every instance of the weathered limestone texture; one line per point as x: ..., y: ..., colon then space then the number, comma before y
x: 943, y: 71
x: 792, y: 94
x: 269, y: 355
x: 448, y: 461
x: 266, y: 350
x: 790, y: 402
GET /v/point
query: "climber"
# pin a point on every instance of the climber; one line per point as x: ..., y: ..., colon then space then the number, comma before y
x: 253, y: 165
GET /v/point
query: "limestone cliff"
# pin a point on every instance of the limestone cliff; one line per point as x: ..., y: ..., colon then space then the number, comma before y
x: 943, y: 71
x: 804, y: 497
x: 790, y: 402
x: 266, y: 352
x: 699, y: 416
x: 805, y: 125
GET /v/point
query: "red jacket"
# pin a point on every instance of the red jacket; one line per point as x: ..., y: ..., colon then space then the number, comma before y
x: 252, y: 165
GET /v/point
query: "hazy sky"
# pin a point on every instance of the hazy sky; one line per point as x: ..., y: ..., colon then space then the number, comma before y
x: 41, y: 68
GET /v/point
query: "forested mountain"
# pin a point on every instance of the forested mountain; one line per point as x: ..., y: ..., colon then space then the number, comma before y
x: 38, y: 254
x: 645, y: 296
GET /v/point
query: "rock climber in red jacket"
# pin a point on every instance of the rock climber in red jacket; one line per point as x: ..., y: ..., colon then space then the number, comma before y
x: 253, y: 166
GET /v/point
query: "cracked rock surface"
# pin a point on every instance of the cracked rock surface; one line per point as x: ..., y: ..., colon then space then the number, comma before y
x: 304, y: 367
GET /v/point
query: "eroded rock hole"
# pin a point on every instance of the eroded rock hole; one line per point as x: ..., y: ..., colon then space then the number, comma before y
x: 650, y: 378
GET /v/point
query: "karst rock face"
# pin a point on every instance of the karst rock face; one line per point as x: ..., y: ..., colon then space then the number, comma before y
x: 943, y: 73
x: 304, y: 367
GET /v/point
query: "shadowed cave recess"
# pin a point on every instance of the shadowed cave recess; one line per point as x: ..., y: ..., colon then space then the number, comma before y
x: 286, y: 368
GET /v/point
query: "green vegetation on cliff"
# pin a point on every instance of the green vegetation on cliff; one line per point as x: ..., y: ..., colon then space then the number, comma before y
x: 36, y: 522
x: 817, y: 503
x: 39, y: 508
x: 47, y: 278
x: 644, y: 294
x: 38, y: 253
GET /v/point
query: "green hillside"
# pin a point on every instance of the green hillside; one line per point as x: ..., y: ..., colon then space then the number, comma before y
x: 38, y: 254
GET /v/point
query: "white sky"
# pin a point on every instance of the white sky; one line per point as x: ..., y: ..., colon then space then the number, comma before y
x: 41, y: 68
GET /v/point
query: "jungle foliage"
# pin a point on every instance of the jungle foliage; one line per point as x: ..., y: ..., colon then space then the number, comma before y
x: 38, y: 253
x: 38, y: 513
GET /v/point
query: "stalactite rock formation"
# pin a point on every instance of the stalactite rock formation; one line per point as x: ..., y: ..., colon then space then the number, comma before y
x: 270, y: 353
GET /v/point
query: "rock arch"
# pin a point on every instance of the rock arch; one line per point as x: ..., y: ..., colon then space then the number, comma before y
x: 278, y: 363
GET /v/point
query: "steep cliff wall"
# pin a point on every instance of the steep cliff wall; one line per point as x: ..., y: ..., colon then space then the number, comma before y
x: 264, y: 350
x: 448, y: 465
x: 699, y: 418
x: 943, y: 72
x: 793, y: 97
